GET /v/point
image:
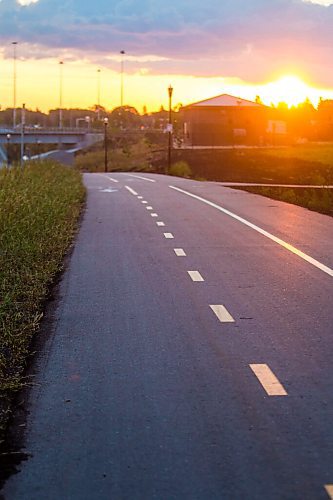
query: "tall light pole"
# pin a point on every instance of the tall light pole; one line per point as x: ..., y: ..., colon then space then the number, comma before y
x: 122, y: 53
x: 22, y: 133
x: 14, y: 83
x: 61, y: 64
x: 98, y: 93
x: 8, y: 136
x: 170, y: 91
x: 106, y: 121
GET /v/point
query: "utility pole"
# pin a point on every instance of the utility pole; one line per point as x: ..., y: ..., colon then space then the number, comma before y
x: 22, y: 133
x: 106, y: 121
x: 14, y: 83
x: 170, y: 91
x: 122, y: 53
x: 61, y: 63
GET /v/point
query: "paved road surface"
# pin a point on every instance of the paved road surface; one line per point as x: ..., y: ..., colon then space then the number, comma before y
x: 192, y: 351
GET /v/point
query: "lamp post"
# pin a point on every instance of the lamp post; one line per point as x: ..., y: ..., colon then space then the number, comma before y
x: 106, y: 121
x: 8, y: 136
x: 170, y: 91
x: 122, y: 53
x: 61, y: 64
x: 14, y: 83
x: 22, y: 133
x: 98, y: 93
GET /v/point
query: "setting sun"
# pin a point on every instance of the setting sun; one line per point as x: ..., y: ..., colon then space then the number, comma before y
x: 289, y: 89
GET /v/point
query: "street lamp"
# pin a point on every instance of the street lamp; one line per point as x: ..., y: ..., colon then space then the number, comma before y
x: 14, y: 83
x: 106, y: 121
x: 122, y: 53
x: 98, y: 93
x: 61, y: 63
x: 170, y: 91
x: 8, y: 141
x: 22, y: 134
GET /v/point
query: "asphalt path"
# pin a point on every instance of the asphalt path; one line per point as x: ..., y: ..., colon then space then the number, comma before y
x: 191, y: 356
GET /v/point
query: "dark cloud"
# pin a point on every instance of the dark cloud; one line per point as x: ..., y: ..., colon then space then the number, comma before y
x: 219, y: 37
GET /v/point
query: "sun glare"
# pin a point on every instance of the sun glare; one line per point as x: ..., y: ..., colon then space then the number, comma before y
x: 289, y: 89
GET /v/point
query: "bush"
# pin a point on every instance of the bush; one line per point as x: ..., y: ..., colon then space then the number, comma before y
x: 180, y: 169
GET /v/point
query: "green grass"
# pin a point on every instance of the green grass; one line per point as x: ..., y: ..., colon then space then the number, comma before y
x: 39, y: 210
x: 322, y: 153
x: 319, y: 199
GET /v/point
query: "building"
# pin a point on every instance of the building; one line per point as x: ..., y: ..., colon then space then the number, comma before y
x: 226, y: 120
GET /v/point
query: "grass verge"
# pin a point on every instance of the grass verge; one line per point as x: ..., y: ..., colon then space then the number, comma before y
x: 39, y: 209
x: 319, y: 199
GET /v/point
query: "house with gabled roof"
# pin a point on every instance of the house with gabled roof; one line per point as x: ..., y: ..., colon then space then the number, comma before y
x: 226, y: 120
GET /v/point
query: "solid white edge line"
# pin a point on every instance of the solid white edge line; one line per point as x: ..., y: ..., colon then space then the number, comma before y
x: 329, y: 490
x: 268, y: 380
x: 277, y: 240
x: 131, y: 191
x: 168, y: 236
x: 179, y: 252
x: 195, y: 276
x: 222, y: 313
x: 143, y: 178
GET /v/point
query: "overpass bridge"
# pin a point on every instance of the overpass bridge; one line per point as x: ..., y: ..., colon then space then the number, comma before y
x: 65, y: 138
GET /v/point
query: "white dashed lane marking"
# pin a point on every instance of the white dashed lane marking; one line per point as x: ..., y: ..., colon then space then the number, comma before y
x: 140, y: 197
x: 195, y: 276
x: 179, y: 252
x: 154, y: 215
x: 131, y: 191
x: 277, y: 240
x: 329, y: 490
x: 143, y: 178
x: 161, y: 224
x: 113, y: 180
x: 222, y: 313
x: 168, y: 236
x: 149, y: 208
x: 145, y: 202
x: 268, y: 380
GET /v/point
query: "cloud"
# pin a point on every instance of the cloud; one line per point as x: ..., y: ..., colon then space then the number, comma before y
x: 251, y: 39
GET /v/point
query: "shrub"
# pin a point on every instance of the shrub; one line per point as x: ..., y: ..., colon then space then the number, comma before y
x: 180, y: 169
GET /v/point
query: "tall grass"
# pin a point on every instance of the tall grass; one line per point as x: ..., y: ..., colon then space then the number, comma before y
x: 39, y: 209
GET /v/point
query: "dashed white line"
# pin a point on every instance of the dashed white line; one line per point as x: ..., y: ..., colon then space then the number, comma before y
x: 131, y: 191
x: 168, y: 236
x: 145, y: 202
x: 143, y: 178
x: 154, y: 215
x: 222, y: 313
x: 280, y: 242
x: 113, y: 180
x: 140, y: 197
x: 268, y: 380
x: 329, y: 490
x: 179, y: 252
x: 160, y: 223
x: 149, y: 208
x: 195, y: 276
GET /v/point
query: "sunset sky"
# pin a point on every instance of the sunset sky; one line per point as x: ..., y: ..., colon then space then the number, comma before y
x: 281, y: 50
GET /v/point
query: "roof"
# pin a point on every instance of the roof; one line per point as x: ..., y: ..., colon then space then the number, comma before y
x: 225, y: 100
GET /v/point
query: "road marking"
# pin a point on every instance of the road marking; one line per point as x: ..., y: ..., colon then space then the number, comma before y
x: 154, y: 215
x: 131, y: 190
x: 168, y: 236
x: 179, y: 252
x: 277, y: 240
x: 161, y: 224
x: 140, y: 197
x: 145, y: 202
x: 149, y: 208
x: 195, y: 276
x: 268, y: 380
x: 109, y: 178
x: 222, y: 314
x: 108, y: 190
x: 143, y: 178
x: 329, y: 490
